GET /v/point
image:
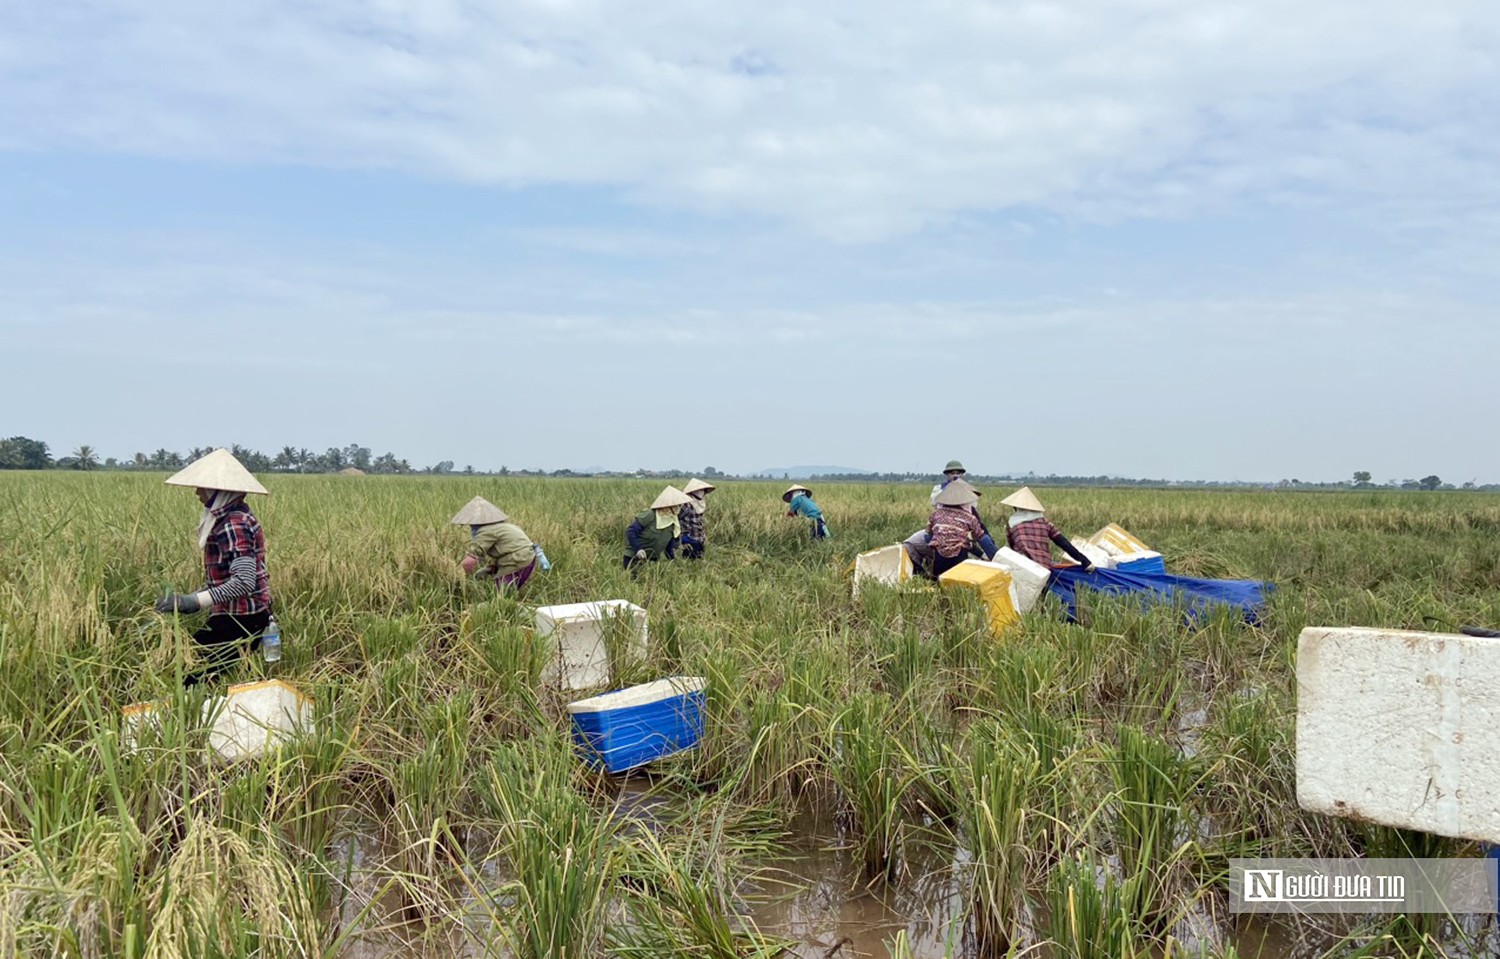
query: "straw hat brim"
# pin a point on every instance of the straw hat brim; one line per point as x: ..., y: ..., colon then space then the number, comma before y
x: 793, y: 490
x: 958, y: 493
x: 1024, y: 498
x: 218, y: 470
x: 695, y: 484
x: 670, y: 498
x: 479, y: 512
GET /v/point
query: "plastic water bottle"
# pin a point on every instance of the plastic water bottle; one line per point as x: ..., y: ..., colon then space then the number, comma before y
x: 541, y: 558
x: 270, y: 642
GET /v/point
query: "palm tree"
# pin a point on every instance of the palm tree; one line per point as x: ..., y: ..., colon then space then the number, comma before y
x: 86, y: 457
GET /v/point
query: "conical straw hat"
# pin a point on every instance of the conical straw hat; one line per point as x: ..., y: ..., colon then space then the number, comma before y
x: 794, y: 488
x: 958, y: 493
x: 217, y: 470
x: 670, y: 498
x: 479, y: 512
x: 1024, y: 498
x: 695, y: 484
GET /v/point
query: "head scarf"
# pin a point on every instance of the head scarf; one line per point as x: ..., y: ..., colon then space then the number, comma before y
x: 667, y: 516
x: 223, y: 499
x: 698, y: 504
x: 1024, y: 516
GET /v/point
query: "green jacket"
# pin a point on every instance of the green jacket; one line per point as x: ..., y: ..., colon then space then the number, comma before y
x: 643, y: 534
x: 501, y: 548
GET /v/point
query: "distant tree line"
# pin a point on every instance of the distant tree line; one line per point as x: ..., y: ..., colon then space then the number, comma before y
x: 24, y: 453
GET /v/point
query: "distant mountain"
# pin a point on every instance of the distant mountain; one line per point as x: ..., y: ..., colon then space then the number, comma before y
x: 804, y: 472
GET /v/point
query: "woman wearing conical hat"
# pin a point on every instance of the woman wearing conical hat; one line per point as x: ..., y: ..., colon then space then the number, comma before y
x: 497, y: 547
x: 1031, y: 534
x: 954, y: 528
x: 955, y: 471
x: 799, y: 502
x: 690, y: 516
x: 237, y: 591
x: 655, y: 531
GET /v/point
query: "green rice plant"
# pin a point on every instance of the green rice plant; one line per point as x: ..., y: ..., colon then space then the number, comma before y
x: 994, y: 821
x: 1087, y: 915
x: 559, y: 852
x: 874, y: 781
x: 1152, y: 829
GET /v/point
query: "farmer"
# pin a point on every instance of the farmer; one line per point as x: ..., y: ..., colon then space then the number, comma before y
x: 919, y: 550
x: 497, y: 547
x: 654, y: 534
x: 954, y: 527
x: 691, y: 517
x: 800, y: 503
x: 237, y: 594
x: 1031, y: 534
x: 955, y: 471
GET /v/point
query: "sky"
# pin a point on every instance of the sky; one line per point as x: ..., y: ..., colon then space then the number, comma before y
x: 1148, y: 238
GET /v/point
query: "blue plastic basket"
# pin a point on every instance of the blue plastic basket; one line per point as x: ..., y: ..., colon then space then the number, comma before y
x: 630, y: 727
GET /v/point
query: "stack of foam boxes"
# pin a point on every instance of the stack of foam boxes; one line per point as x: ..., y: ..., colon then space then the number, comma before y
x: 890, y: 565
x: 1122, y: 551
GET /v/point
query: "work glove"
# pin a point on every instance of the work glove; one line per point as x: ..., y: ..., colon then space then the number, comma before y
x: 1089, y: 568
x: 183, y: 602
x: 640, y: 554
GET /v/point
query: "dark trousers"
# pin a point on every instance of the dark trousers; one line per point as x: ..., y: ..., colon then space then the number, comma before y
x: 220, y: 642
x: 692, y: 548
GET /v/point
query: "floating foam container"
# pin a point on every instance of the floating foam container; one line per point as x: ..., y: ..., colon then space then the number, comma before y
x: 1028, y: 578
x: 243, y: 723
x: 581, y: 660
x: 993, y: 586
x: 890, y: 565
x: 1400, y: 728
x: 630, y: 727
x: 253, y: 717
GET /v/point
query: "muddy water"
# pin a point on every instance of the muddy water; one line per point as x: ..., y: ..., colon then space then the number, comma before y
x: 817, y: 899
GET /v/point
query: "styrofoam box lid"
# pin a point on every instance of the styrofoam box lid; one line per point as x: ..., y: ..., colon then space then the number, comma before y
x: 1008, y: 557
x: 639, y: 695
x: 572, y: 612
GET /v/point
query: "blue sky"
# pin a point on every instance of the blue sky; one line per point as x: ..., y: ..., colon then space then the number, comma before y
x: 1148, y: 238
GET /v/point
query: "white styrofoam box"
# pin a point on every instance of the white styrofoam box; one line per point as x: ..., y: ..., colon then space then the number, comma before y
x: 252, y: 717
x: 1097, y: 555
x: 1400, y: 728
x: 1028, y: 578
x: 1118, y: 542
x: 652, y: 692
x: 581, y: 660
x: 1015, y: 592
x: 889, y: 565
x: 244, y: 722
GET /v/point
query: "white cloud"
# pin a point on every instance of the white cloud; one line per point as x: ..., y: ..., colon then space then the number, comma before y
x: 858, y: 118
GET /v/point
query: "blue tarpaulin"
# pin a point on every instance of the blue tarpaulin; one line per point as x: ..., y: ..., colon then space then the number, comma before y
x: 1195, y: 595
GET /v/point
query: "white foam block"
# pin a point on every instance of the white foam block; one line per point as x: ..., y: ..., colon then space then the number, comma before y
x: 1028, y: 577
x: 581, y: 660
x: 889, y: 565
x: 1097, y: 555
x: 1400, y: 728
x: 253, y: 717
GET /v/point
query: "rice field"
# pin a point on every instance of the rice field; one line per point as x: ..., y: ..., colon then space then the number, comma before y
x: 879, y: 778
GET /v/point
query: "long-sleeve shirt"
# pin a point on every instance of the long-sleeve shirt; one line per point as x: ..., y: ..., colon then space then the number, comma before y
x: 692, y: 523
x: 954, y: 529
x: 234, y: 563
x: 1034, y: 538
x: 503, y: 548
x: 643, y: 534
x: 803, y: 505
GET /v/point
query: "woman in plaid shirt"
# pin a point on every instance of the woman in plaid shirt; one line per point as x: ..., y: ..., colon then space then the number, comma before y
x: 1032, y: 535
x: 237, y: 592
x: 694, y: 536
